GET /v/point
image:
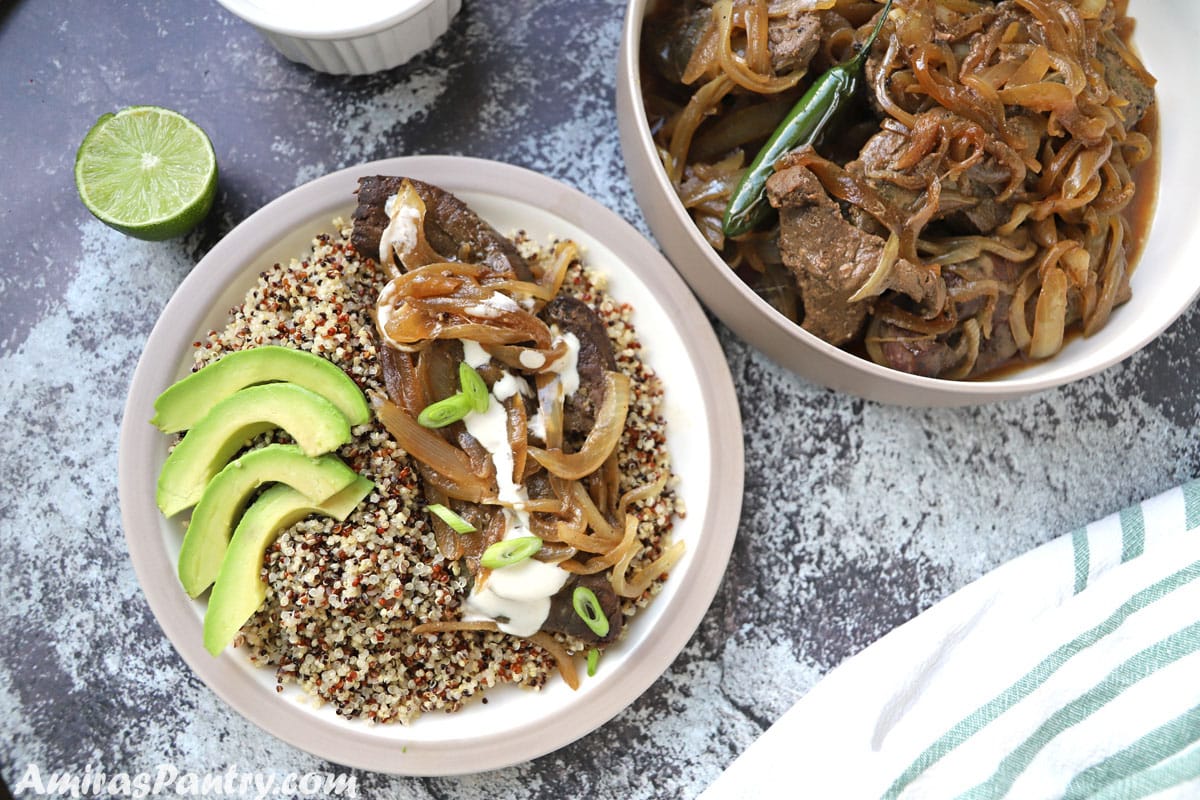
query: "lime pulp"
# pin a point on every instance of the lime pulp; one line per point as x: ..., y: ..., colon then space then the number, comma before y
x: 147, y: 171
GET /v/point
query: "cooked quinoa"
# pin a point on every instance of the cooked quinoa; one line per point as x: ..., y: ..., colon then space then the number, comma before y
x: 343, y: 598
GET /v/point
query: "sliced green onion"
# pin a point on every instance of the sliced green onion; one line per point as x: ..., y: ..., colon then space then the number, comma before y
x: 510, y: 551
x: 445, y: 412
x: 587, y: 606
x: 473, y: 387
x: 447, y: 516
x: 593, y: 660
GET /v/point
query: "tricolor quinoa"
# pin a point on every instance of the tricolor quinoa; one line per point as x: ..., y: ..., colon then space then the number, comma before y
x: 343, y: 597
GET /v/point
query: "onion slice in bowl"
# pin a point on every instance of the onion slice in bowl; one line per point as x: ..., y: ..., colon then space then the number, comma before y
x: 601, y: 440
x: 431, y: 450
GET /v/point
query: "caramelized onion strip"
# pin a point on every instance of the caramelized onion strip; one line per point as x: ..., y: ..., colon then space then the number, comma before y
x: 432, y: 451
x: 1017, y: 318
x: 595, y: 520
x: 576, y: 535
x: 877, y: 282
x: 1112, y: 277
x: 601, y: 441
x: 515, y: 356
x: 629, y: 542
x: 550, y: 406
x: 518, y: 435
x: 1050, y: 316
x: 566, y: 664
x: 703, y: 103
x: 545, y: 505
x: 738, y: 70
x: 640, y: 493
x: 565, y: 254
x: 636, y: 585
x: 970, y: 342
x: 418, y: 251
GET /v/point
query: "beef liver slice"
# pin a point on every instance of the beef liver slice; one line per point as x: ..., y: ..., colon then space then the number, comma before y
x: 451, y: 227
x: 826, y: 277
x: 933, y: 356
x: 969, y: 205
x: 829, y: 257
x: 594, y: 359
x: 832, y: 259
x: 563, y: 619
x: 916, y: 355
x: 1127, y: 84
x: 793, y: 41
x: 370, y: 215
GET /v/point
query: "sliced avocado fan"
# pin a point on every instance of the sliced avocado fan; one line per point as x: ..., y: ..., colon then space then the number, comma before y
x: 315, y: 424
x: 185, y: 403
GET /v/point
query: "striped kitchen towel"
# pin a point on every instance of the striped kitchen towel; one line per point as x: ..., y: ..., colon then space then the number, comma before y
x: 1070, y: 672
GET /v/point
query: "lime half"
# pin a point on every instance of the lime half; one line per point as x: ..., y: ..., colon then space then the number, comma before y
x: 149, y: 172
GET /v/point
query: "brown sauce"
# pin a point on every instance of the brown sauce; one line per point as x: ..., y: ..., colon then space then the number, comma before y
x: 1140, y: 211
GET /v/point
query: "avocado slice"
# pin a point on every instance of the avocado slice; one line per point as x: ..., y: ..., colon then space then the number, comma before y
x: 226, y: 496
x: 186, y: 402
x: 314, y: 422
x: 238, y: 590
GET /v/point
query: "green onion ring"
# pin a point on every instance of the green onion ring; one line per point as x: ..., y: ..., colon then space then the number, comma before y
x: 445, y: 412
x: 447, y: 516
x: 587, y: 606
x: 510, y: 551
x: 473, y: 387
x: 593, y: 658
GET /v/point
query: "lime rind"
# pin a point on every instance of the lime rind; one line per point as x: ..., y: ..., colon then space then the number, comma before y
x: 147, y: 171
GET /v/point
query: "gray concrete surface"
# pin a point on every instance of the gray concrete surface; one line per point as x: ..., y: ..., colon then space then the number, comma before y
x: 856, y: 516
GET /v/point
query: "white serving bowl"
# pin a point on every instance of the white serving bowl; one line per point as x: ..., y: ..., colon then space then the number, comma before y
x: 352, y: 37
x: 1165, y: 283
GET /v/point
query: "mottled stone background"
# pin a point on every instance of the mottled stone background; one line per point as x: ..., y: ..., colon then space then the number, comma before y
x: 856, y: 516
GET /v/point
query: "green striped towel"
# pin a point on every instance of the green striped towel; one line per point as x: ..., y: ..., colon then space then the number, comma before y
x: 1070, y: 672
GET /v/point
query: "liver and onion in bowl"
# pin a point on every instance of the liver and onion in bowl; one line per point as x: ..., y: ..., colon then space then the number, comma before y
x: 513, y: 498
x: 977, y: 201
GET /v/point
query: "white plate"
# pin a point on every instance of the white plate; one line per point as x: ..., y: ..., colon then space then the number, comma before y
x: 704, y: 437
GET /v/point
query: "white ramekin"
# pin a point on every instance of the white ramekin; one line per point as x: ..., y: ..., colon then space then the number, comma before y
x: 352, y: 37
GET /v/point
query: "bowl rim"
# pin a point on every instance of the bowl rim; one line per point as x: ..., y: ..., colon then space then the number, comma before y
x: 933, y: 391
x: 256, y: 15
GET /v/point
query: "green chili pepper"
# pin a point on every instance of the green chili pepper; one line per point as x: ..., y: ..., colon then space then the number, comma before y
x: 473, y: 387
x: 587, y: 606
x: 510, y: 551
x: 445, y: 412
x: 456, y: 523
x: 809, y: 118
x: 593, y: 659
